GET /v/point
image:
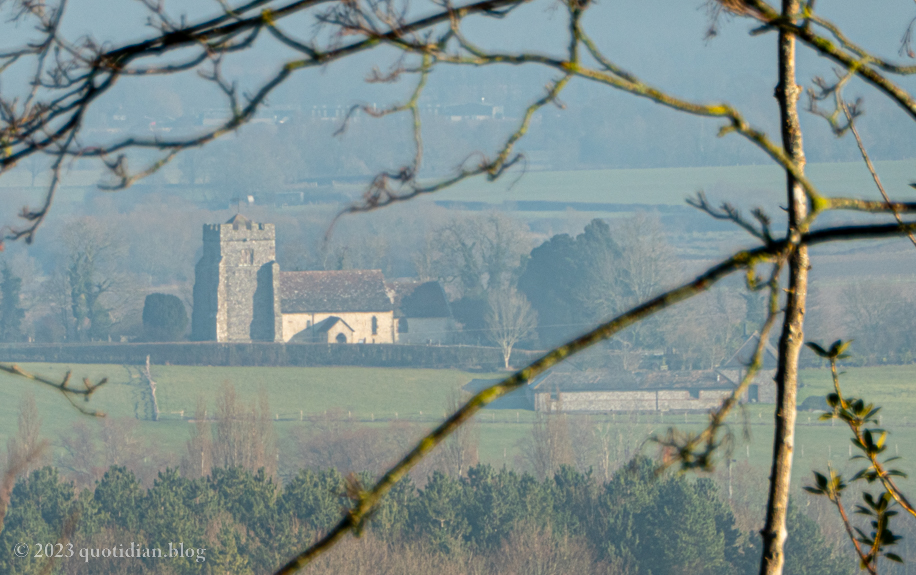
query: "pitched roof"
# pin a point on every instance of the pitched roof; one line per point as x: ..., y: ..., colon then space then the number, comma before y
x: 333, y: 291
x: 745, y: 353
x: 319, y: 330
x: 418, y: 299
x: 239, y: 220
x: 568, y: 380
x: 325, y: 325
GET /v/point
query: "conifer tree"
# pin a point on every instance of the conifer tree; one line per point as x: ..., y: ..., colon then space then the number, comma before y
x: 11, y: 311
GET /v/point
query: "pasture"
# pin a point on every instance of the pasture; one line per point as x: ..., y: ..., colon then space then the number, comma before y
x: 760, y: 184
x: 375, y: 397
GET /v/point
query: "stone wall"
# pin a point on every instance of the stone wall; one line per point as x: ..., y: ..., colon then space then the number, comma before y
x: 625, y: 401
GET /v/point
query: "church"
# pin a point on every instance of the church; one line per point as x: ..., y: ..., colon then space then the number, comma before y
x: 241, y: 295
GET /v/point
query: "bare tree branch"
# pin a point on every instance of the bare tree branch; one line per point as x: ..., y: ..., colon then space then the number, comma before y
x: 63, y: 386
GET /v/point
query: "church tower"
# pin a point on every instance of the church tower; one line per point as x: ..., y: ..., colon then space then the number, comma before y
x: 236, y: 284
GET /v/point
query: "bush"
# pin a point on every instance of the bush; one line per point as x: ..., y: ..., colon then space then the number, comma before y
x: 164, y: 317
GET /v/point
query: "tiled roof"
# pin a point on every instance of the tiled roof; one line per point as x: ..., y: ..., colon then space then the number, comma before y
x: 333, y: 291
x: 618, y: 380
x: 418, y: 299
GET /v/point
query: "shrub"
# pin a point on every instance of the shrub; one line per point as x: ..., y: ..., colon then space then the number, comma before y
x: 164, y: 317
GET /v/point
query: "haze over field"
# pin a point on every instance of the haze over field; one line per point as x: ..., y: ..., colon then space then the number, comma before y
x: 272, y: 306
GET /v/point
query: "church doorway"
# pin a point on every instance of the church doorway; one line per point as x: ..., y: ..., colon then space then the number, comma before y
x: 341, y: 338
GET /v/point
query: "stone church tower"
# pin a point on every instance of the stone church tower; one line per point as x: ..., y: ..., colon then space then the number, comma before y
x: 236, y: 284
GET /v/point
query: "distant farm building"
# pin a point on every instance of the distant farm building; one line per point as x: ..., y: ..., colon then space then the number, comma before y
x: 568, y: 387
x: 240, y: 295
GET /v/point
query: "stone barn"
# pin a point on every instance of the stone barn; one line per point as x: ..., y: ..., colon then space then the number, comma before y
x: 574, y: 386
x: 603, y: 390
x: 763, y: 388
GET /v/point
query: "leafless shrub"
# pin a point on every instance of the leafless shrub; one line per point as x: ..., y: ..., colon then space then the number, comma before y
x: 459, y: 451
x: 333, y: 441
x: 24, y: 451
x: 533, y: 550
x: 199, y: 460
x: 26, y: 448
x: 80, y: 457
x: 244, y: 437
x: 369, y: 555
x: 548, y: 447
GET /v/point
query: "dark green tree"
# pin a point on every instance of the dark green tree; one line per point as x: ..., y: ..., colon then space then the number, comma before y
x: 251, y: 500
x: 11, y: 310
x: 164, y: 317
x: 39, y: 506
x: 118, y: 496
x: 492, y: 505
x: 559, y: 278
x: 313, y: 499
x: 177, y: 510
x: 438, y: 514
x: 807, y: 552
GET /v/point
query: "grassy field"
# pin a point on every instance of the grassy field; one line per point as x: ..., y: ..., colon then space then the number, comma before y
x: 420, y: 396
x: 669, y: 186
x: 654, y: 186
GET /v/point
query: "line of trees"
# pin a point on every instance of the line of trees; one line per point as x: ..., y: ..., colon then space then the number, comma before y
x: 491, y: 264
x: 492, y: 520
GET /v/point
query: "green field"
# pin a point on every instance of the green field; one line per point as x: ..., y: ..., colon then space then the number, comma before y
x: 654, y: 186
x: 420, y: 396
x: 660, y: 186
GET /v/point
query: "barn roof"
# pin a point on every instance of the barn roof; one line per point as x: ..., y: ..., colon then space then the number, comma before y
x: 333, y: 291
x: 418, y: 299
x: 745, y: 353
x: 568, y: 380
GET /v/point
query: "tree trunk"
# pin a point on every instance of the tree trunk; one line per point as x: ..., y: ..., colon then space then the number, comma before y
x: 791, y: 340
x: 507, y: 352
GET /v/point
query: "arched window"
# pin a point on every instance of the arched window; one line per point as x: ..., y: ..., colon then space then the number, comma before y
x: 374, y: 325
x: 341, y: 338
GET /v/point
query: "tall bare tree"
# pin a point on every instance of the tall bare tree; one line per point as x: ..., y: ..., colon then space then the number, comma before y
x: 25, y: 449
x: 509, y: 319
x: 479, y: 253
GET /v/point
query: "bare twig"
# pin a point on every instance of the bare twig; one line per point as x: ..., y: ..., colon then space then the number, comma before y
x: 62, y: 386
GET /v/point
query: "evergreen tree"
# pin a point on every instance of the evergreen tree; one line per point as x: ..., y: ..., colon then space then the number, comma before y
x: 38, y: 507
x: 439, y: 514
x: 561, y: 305
x: 11, y: 311
x: 164, y: 317
x: 314, y: 499
x: 118, y: 495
